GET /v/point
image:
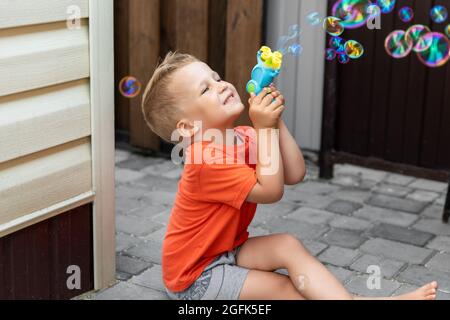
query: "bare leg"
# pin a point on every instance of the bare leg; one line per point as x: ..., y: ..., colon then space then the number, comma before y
x: 266, y: 285
x: 307, y: 274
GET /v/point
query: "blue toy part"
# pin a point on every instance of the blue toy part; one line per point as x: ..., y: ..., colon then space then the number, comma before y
x: 265, y: 72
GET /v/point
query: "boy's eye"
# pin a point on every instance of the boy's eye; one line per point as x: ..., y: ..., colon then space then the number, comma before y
x: 205, y: 90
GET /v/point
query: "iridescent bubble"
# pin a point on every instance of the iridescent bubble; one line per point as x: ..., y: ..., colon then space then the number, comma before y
x: 373, y: 11
x: 314, y: 18
x: 447, y: 30
x: 332, y: 26
x: 353, y: 13
x: 330, y: 54
x: 438, y: 14
x: 296, y: 49
x: 294, y: 32
x: 354, y: 49
x: 397, y: 45
x: 338, y: 44
x: 416, y: 34
x: 343, y: 58
x: 386, y: 6
x: 129, y: 87
x: 438, y: 53
x: 406, y: 14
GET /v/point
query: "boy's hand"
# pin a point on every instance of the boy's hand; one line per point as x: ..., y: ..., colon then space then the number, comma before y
x: 264, y: 111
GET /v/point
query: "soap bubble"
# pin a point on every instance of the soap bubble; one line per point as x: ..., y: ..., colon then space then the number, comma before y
x: 438, y: 53
x: 343, y: 58
x: 353, y: 13
x: 447, y: 30
x: 416, y: 34
x: 296, y: 49
x: 129, y: 87
x: 333, y: 26
x: 338, y: 44
x: 353, y: 49
x: 386, y: 6
x: 373, y: 11
x: 438, y: 14
x: 406, y: 14
x: 314, y: 18
x: 293, y: 33
x: 397, y: 45
x: 330, y: 54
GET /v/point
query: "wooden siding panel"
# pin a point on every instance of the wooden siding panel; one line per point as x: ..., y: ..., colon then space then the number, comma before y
x: 44, y: 55
x: 44, y: 118
x: 45, y: 178
x: 37, y: 11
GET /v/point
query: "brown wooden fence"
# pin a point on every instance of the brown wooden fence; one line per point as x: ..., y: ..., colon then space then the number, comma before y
x: 224, y: 33
x: 388, y: 113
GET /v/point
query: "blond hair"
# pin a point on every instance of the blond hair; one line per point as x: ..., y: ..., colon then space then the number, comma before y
x: 158, y: 103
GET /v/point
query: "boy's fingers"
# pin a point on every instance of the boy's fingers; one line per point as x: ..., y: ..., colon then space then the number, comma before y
x: 279, y: 110
x: 259, y: 98
x: 277, y: 103
x: 267, y: 100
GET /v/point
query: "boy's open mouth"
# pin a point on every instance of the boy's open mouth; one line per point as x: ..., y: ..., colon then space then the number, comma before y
x: 229, y: 99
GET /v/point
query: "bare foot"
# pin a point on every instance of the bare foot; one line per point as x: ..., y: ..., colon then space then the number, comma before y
x: 426, y: 292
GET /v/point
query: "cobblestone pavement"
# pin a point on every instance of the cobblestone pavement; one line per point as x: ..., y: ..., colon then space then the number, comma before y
x: 360, y: 218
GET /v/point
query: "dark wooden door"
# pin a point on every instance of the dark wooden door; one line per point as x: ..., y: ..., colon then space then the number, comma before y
x: 36, y: 262
x: 389, y: 113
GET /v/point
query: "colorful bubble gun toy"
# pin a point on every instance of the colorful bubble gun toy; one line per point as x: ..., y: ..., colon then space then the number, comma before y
x: 267, y: 69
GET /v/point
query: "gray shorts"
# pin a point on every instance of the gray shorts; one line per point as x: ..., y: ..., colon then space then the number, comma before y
x: 222, y: 279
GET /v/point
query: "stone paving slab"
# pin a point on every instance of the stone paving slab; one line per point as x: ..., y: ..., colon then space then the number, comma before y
x: 130, y: 265
x: 420, y: 275
x: 400, y: 234
x: 301, y: 230
x: 337, y: 256
x: 433, y: 226
x: 149, y: 251
x: 440, y: 262
x: 343, y: 238
x: 343, y: 275
x: 388, y: 267
x: 440, y: 243
x: 359, y: 285
x: 429, y: 185
x: 387, y: 216
x: 343, y: 207
x: 136, y: 226
x: 433, y: 211
x: 311, y: 215
x: 350, y: 223
x: 393, y: 203
x: 392, y: 190
x: 396, y: 250
x: 266, y: 212
x: 151, y: 278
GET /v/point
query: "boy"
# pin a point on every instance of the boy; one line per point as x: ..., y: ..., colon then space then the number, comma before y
x: 207, y: 253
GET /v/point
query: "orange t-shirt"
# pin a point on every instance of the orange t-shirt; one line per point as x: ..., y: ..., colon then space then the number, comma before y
x: 210, y: 215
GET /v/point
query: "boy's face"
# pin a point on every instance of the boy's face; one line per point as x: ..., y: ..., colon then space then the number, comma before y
x: 203, y: 96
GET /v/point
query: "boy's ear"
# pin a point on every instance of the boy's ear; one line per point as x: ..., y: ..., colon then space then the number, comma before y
x: 186, y: 128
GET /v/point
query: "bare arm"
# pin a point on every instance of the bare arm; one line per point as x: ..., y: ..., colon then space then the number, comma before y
x: 265, y: 114
x: 293, y: 161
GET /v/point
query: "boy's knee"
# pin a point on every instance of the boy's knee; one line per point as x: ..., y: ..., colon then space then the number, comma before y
x: 290, y: 241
